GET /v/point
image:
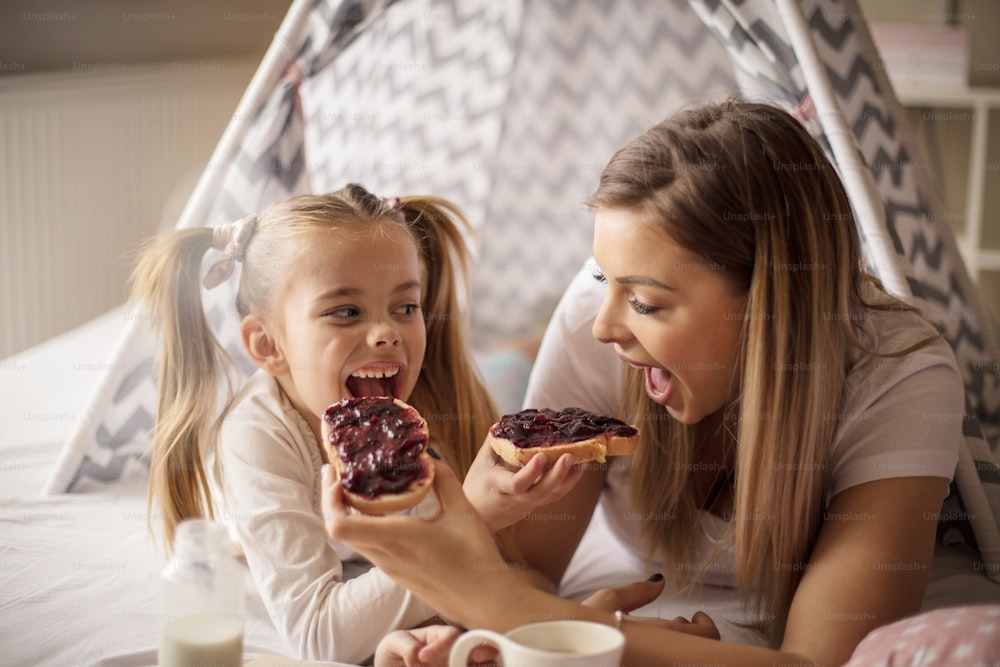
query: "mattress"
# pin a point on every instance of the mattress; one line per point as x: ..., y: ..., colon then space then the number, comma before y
x: 79, y: 572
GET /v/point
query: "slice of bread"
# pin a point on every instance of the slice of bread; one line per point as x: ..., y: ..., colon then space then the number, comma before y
x: 334, y: 439
x: 596, y: 448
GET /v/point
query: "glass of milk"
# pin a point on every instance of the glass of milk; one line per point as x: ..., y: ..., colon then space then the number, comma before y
x: 203, y: 597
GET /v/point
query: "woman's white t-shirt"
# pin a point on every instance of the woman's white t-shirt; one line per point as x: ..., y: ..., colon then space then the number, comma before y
x: 902, y: 417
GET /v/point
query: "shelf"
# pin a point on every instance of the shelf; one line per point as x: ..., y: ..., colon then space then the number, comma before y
x: 980, y: 102
x: 958, y: 97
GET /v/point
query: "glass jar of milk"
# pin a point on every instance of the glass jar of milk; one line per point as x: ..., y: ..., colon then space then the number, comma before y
x: 203, y: 597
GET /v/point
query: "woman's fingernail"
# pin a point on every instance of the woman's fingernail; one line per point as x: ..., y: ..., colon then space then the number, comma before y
x: 433, y: 454
x: 656, y: 577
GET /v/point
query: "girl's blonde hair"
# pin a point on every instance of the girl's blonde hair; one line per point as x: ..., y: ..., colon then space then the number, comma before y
x: 167, y: 278
x: 746, y: 188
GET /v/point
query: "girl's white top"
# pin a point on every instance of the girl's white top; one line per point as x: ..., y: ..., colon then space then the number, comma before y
x: 322, y: 597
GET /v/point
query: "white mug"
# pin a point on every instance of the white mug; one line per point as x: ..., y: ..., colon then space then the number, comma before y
x: 548, y: 644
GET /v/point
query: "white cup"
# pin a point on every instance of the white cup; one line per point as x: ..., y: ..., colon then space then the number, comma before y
x: 548, y: 644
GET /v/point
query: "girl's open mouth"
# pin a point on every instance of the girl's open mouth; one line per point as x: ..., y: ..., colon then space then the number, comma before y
x: 375, y: 380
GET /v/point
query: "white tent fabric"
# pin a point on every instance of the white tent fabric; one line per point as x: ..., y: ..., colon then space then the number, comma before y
x: 511, y: 109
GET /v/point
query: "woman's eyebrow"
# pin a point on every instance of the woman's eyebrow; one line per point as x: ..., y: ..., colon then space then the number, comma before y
x: 643, y: 280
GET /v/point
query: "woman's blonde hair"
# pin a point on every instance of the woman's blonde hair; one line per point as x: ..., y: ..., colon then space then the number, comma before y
x: 192, y: 363
x: 746, y: 188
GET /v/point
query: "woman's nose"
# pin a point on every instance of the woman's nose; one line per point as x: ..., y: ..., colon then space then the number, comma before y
x: 608, y: 325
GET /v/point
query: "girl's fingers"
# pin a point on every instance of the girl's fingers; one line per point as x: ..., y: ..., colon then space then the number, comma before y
x: 534, y: 478
x: 484, y: 653
x: 526, y: 477
x: 438, y: 643
x: 408, y: 648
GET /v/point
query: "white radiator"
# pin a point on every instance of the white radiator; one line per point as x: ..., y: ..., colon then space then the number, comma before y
x: 93, y: 161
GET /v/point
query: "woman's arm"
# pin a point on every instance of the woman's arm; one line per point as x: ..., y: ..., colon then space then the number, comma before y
x: 869, y: 567
x: 871, y: 561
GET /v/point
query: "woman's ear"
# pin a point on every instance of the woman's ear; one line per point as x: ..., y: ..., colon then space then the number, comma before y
x: 261, y: 346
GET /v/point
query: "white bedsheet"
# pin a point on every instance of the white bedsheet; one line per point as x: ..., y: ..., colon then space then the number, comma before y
x: 78, y: 572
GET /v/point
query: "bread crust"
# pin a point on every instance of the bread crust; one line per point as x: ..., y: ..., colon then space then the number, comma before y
x: 387, y: 502
x: 592, y: 449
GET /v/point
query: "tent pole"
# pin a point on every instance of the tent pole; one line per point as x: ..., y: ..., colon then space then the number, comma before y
x: 282, y: 49
x: 858, y: 179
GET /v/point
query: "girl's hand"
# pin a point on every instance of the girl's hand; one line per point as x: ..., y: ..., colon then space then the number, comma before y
x: 639, y: 594
x: 428, y: 646
x: 440, y: 559
x: 503, y: 495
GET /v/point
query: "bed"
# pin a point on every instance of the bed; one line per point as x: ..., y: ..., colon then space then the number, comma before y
x: 79, y: 572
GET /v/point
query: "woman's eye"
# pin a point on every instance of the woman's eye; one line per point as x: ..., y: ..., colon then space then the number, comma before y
x: 641, y: 308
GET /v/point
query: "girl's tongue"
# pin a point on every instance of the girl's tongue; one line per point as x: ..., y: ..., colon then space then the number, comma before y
x: 659, y: 385
x: 360, y: 387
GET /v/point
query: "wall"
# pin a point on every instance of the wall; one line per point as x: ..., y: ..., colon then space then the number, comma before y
x: 91, y: 165
x: 109, y: 110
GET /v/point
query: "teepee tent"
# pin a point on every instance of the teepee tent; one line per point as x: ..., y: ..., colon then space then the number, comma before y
x: 510, y: 109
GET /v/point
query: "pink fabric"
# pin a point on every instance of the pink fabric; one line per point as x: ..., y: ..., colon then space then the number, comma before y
x: 956, y: 637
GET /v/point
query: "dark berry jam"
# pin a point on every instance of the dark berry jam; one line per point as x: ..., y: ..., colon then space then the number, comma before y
x: 545, y: 427
x: 379, y: 442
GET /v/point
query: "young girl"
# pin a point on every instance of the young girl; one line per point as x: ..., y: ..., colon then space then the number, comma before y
x: 340, y: 295
x: 799, y: 425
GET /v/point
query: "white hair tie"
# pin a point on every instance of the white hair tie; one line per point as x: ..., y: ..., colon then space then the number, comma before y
x: 232, y: 240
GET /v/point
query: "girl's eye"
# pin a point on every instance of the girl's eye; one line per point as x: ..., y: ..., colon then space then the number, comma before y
x: 347, y: 314
x: 642, y: 308
x: 408, y: 309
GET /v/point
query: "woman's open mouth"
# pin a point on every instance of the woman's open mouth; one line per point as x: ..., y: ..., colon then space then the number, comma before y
x: 379, y: 379
x: 659, y: 384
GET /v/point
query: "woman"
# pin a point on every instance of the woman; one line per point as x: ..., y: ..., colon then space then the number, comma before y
x: 798, y: 423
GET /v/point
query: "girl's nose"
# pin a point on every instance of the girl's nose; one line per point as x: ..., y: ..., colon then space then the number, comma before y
x: 383, y: 334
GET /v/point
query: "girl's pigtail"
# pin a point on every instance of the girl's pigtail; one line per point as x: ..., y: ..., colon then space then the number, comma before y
x: 167, y: 281
x: 450, y: 393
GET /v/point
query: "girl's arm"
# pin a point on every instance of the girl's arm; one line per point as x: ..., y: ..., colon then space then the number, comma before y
x: 570, y: 369
x: 268, y: 500
x: 504, y: 495
x: 548, y: 537
x: 863, y: 573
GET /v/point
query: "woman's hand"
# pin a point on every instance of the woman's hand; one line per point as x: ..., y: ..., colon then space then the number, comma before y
x: 639, y: 594
x: 503, y: 496
x: 427, y: 647
x: 440, y: 559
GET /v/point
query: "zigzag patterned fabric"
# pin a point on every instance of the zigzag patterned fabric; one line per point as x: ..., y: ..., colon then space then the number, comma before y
x: 925, y: 252
x: 511, y: 109
x: 546, y: 92
x: 511, y: 112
